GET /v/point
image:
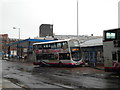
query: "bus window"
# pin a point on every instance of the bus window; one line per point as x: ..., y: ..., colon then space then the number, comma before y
x: 59, y: 45
x: 39, y: 57
x: 76, y: 54
x: 39, y: 46
x: 64, y: 56
x: 110, y: 35
x: 53, y: 46
x: 114, y: 56
x: 45, y: 57
x: 64, y: 45
x: 46, y: 46
x: 34, y: 47
x: 74, y: 43
x: 118, y: 35
x: 118, y: 56
x: 49, y: 56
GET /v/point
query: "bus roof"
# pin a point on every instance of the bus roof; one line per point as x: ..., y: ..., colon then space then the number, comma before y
x: 53, y: 41
x: 115, y: 29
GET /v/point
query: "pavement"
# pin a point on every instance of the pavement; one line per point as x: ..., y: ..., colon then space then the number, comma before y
x: 4, y: 83
x: 99, y: 66
x: 8, y: 84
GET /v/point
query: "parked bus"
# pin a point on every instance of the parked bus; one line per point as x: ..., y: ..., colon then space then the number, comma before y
x: 58, y: 52
x: 111, y: 50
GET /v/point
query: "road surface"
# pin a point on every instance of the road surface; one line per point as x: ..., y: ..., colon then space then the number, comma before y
x: 27, y: 76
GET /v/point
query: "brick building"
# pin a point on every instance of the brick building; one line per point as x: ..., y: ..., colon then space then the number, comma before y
x: 3, y: 42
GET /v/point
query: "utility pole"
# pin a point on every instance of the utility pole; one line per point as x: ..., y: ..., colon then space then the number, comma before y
x: 77, y: 21
x: 18, y: 50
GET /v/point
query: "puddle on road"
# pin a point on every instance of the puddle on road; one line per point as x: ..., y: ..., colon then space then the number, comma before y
x: 113, y: 76
x: 24, y: 70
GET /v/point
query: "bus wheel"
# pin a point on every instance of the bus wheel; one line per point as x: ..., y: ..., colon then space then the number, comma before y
x: 60, y: 64
x: 41, y: 64
x: 106, y: 70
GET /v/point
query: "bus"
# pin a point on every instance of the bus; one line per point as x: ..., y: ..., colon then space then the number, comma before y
x: 111, y: 50
x: 58, y: 52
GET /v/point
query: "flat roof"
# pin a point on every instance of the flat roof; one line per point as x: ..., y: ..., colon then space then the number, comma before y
x: 28, y: 40
x: 115, y: 29
x: 93, y: 42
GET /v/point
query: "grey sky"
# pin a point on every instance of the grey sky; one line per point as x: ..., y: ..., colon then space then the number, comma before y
x: 94, y: 16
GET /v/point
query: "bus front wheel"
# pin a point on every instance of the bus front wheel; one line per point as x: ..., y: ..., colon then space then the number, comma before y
x: 60, y: 64
x: 41, y: 64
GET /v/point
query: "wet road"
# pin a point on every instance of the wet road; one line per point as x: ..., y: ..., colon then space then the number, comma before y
x: 28, y: 76
x: 0, y: 74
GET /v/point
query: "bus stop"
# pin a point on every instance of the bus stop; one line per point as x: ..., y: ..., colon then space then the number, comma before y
x: 22, y: 49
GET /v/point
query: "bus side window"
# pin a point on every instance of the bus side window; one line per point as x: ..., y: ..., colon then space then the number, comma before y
x: 64, y: 56
x: 39, y: 56
x: 54, y: 45
x: 34, y: 47
x: 118, y: 56
x: 39, y: 46
x: 114, y: 56
x: 118, y: 35
x: 59, y: 45
x: 44, y: 46
x: 64, y: 45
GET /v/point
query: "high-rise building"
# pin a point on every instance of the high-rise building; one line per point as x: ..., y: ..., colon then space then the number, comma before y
x: 45, y: 30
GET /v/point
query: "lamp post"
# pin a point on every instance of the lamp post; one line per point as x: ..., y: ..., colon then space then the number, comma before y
x: 19, y: 31
x: 18, y: 50
x: 77, y: 20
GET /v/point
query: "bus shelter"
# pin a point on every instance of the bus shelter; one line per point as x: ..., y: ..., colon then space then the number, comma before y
x: 92, y: 51
x: 22, y: 49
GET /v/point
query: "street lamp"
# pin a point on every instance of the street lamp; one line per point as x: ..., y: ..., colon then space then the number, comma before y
x: 77, y: 20
x: 18, y: 40
x: 19, y: 31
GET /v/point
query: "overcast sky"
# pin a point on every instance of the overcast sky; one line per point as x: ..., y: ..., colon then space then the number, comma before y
x: 94, y: 16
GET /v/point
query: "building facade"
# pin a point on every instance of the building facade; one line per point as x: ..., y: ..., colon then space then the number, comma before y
x: 3, y: 42
x: 45, y: 30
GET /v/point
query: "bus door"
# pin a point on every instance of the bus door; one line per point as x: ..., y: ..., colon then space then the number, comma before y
x: 118, y: 57
x: 52, y: 58
x: 64, y: 57
x: 115, y: 59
